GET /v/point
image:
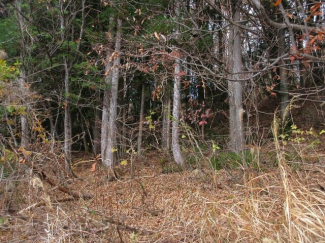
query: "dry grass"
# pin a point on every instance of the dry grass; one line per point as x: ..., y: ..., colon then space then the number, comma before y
x: 277, y: 205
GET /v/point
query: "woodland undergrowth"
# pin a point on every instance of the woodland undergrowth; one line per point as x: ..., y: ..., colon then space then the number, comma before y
x: 278, y: 198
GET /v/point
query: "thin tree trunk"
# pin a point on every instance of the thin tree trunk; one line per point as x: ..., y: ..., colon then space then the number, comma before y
x: 166, y: 119
x: 53, y: 127
x: 67, y: 120
x: 96, y: 129
x: 283, y: 73
x: 86, y: 129
x: 84, y: 138
x: 22, y: 79
x: 178, y: 157
x: 235, y: 88
x: 111, y: 142
x: 104, y: 130
x: 202, y: 131
x: 108, y: 80
x: 168, y: 122
x: 67, y: 114
x: 141, y: 122
x: 283, y: 78
x: 23, y: 119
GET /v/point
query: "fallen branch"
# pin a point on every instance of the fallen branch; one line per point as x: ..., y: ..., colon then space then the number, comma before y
x: 39, y: 204
x: 66, y: 190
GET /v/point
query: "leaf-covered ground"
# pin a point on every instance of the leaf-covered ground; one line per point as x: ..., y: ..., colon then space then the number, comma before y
x: 276, y: 204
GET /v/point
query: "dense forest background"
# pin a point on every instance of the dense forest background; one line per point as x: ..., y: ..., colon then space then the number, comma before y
x: 108, y: 89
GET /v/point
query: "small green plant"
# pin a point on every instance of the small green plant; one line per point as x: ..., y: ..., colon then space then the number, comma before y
x: 272, y: 158
x: 168, y: 167
x: 150, y: 120
x: 298, y: 135
x: 133, y: 237
x: 292, y: 156
x: 3, y: 220
x: 171, y: 168
x: 191, y: 161
x: 8, y: 72
x: 215, y: 147
x: 162, y: 161
x: 232, y: 160
x: 8, y: 162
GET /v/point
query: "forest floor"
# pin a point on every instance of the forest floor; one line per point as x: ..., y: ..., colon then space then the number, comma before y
x: 275, y: 204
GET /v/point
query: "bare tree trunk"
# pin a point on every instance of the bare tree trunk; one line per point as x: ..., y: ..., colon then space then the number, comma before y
x: 23, y: 117
x: 108, y: 80
x: 52, y: 126
x: 283, y: 78
x: 67, y: 120
x: 65, y: 31
x: 235, y: 88
x: 283, y: 73
x: 141, y: 122
x: 96, y: 128
x: 67, y: 115
x: 168, y: 123
x: 166, y: 119
x: 104, y: 130
x: 22, y: 79
x: 86, y: 130
x: 84, y: 138
x: 111, y: 142
x: 53, y: 123
x: 178, y: 157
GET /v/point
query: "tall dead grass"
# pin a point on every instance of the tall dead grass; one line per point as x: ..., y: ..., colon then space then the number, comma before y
x: 268, y: 211
x: 282, y: 204
x: 279, y: 206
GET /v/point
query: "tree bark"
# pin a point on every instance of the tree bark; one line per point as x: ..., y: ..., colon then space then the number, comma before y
x: 111, y: 141
x: 67, y: 120
x: 52, y: 125
x: 283, y: 78
x: 22, y: 79
x: 235, y: 88
x: 108, y: 80
x: 166, y: 119
x: 54, y: 134
x: 96, y: 128
x: 178, y: 157
x: 23, y: 117
x: 141, y: 122
x: 84, y: 138
x: 177, y: 153
x: 283, y: 73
